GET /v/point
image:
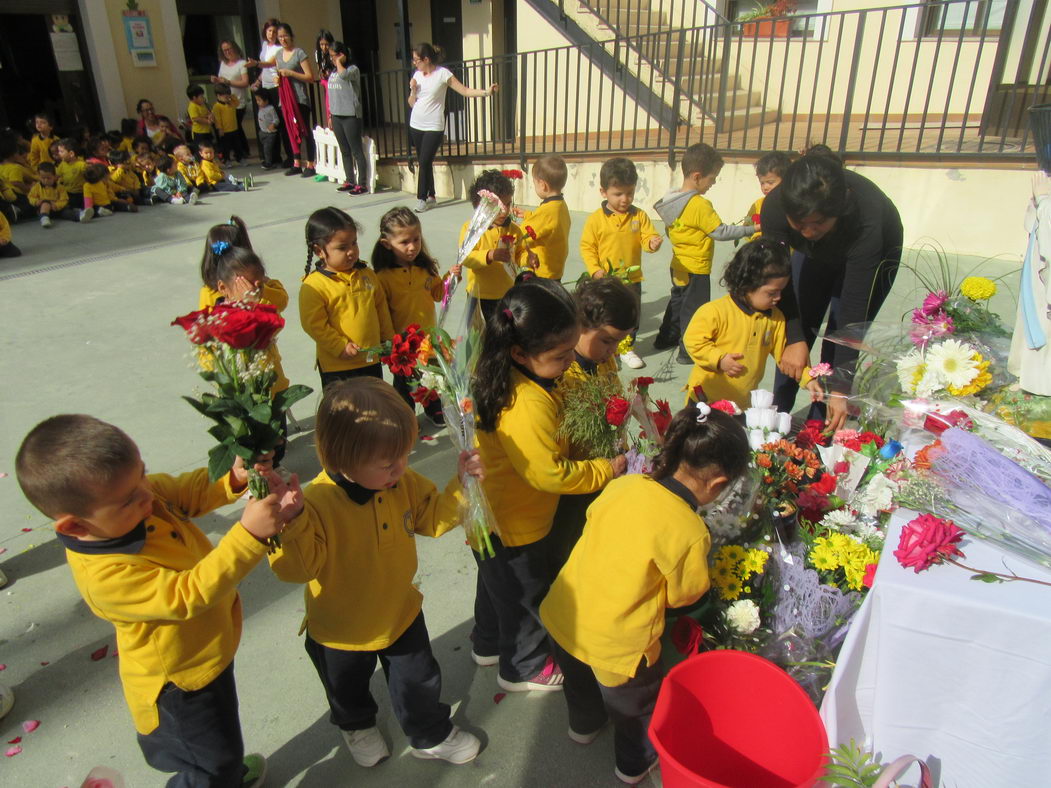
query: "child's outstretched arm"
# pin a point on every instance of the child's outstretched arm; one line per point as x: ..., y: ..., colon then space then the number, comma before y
x: 732, y: 232
x: 436, y: 514
x: 651, y: 239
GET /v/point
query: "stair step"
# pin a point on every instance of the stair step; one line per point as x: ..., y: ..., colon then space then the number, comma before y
x: 752, y: 118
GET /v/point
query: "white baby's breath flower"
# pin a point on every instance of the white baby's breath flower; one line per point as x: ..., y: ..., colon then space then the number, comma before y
x: 743, y: 617
x: 428, y: 379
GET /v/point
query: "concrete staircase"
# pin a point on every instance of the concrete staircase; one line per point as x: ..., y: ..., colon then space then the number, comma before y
x: 693, y: 60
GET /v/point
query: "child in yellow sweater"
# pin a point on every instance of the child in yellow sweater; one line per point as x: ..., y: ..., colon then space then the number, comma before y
x: 547, y: 227
x: 212, y: 171
x: 100, y: 193
x: 729, y: 339
x: 141, y: 564
x: 355, y: 544
x: 616, y: 234
x: 48, y: 196
x: 527, y: 344
x: 224, y: 113
x: 124, y: 178
x: 644, y: 549
x: 7, y: 248
x: 770, y: 169
x: 43, y: 139
x: 201, y: 121
x: 70, y: 169
x: 14, y: 171
x: 341, y: 302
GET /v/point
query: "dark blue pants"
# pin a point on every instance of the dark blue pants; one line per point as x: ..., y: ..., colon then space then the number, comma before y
x: 414, y: 681
x: 682, y: 303
x: 199, y: 735
x: 372, y: 370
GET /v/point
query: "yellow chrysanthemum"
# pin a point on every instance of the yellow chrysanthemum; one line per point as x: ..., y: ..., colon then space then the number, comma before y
x: 733, y: 552
x: 624, y: 346
x: 978, y: 288
x: 731, y: 590
x: 753, y: 563
x: 855, y: 576
x: 841, y: 546
x: 721, y: 575
x: 983, y: 379
x: 822, y: 557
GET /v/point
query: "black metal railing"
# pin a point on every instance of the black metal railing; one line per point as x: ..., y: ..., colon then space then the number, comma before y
x: 900, y: 82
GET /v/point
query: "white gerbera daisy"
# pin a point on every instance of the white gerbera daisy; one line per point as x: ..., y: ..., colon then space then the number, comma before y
x: 910, y: 369
x: 839, y: 520
x: 952, y: 361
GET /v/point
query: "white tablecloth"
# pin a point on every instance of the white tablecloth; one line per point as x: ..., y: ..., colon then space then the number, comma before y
x: 952, y: 670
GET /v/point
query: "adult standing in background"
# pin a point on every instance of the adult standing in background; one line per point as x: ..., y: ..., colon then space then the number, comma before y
x: 267, y: 81
x: 295, y: 71
x: 344, y: 100
x: 159, y: 128
x: 427, y: 90
x: 325, y: 68
x: 848, y: 237
x: 233, y: 71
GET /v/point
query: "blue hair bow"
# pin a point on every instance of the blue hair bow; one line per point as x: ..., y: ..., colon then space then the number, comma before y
x: 218, y: 247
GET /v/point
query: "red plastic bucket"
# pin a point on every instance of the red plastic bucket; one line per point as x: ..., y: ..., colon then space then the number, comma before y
x: 728, y: 719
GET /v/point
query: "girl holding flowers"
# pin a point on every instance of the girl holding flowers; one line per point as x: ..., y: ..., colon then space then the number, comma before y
x: 528, y: 343
x: 644, y: 549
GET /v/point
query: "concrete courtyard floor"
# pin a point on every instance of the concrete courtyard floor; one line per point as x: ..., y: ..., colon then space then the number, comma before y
x: 86, y: 315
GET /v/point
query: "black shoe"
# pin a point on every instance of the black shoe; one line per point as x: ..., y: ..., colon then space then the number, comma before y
x: 270, y: 166
x: 346, y: 187
x: 663, y: 343
x: 294, y: 171
x: 683, y: 359
x: 309, y: 172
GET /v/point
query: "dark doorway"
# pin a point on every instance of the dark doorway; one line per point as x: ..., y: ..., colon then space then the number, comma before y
x: 360, y: 34
x: 447, y: 32
x: 30, y: 78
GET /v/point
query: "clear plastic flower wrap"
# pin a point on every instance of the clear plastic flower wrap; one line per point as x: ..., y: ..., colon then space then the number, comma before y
x: 731, y: 516
x: 489, y: 207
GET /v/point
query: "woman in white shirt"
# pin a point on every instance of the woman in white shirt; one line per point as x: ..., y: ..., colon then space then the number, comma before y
x: 427, y: 90
x: 233, y: 71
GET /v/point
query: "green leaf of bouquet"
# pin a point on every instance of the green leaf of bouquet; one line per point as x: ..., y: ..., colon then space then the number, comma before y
x: 246, y: 453
x: 220, y: 461
x: 285, y: 399
x: 198, y: 406
x: 237, y: 425
x: 207, y: 374
x: 987, y: 577
x: 261, y: 412
x: 220, y: 431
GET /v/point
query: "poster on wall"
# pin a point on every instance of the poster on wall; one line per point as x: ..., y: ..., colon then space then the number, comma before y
x: 140, y: 38
x: 67, y: 52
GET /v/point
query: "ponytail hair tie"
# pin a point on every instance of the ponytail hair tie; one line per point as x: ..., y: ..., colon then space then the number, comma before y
x: 218, y: 247
x: 231, y: 222
x: 509, y: 315
x: 703, y: 410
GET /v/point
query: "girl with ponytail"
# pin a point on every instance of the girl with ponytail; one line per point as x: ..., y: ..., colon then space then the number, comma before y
x: 528, y: 343
x: 644, y: 549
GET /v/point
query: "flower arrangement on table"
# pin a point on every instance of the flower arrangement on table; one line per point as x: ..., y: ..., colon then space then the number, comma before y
x: 735, y: 612
x: 232, y: 340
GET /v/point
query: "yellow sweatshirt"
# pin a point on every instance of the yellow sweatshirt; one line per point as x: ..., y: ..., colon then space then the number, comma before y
x: 18, y: 175
x: 725, y: 326
x: 6, y: 192
x: 340, y: 307
x: 99, y: 193
x: 192, y: 172
x: 56, y: 195
x: 40, y: 149
x: 225, y: 116
x: 616, y: 239
x: 212, y: 172
x: 491, y: 280
x: 5, y: 229
x: 198, y: 115
x: 692, y: 245
x: 170, y: 595
x: 550, y: 222
x: 71, y: 175
x: 356, y: 551
x: 411, y: 292
x: 127, y: 144
x: 527, y: 467
x: 125, y: 178
x: 273, y: 293
x: 643, y: 549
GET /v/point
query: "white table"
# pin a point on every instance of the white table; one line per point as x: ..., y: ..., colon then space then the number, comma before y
x: 952, y: 670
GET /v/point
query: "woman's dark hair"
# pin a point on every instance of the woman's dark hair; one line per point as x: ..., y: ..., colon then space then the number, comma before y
x: 321, y: 226
x: 397, y: 219
x: 431, y: 52
x: 234, y: 46
x: 139, y: 103
x: 754, y: 265
x: 493, y: 181
x: 606, y: 302
x: 287, y: 28
x: 324, y: 59
x: 233, y: 261
x: 718, y: 441
x: 232, y: 233
x: 534, y: 315
x: 269, y: 23
x: 814, y: 184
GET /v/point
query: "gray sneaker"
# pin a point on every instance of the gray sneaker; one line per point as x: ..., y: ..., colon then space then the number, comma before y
x: 459, y: 747
x: 45, y: 221
x: 422, y: 206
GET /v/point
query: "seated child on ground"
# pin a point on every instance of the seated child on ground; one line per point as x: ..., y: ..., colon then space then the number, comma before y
x: 170, y: 185
x: 125, y: 180
x: 48, y: 196
x: 190, y: 167
x: 100, y: 192
x: 212, y: 171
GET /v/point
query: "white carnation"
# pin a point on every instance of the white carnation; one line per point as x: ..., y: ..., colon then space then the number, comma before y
x: 743, y: 617
x: 428, y: 380
x: 875, y: 497
x: 839, y: 520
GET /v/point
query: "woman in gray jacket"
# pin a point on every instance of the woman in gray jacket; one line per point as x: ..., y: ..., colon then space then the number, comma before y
x: 344, y: 104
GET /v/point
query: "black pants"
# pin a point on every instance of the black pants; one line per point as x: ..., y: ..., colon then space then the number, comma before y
x: 630, y: 706
x: 347, y: 129
x: 817, y: 288
x: 274, y: 98
x: 10, y: 250
x: 511, y: 585
x: 414, y: 681
x: 227, y: 146
x: 372, y: 370
x: 306, y: 141
x: 270, y: 142
x: 487, y: 305
x: 684, y: 301
x: 568, y: 525
x: 426, y: 144
x: 199, y: 735
x: 199, y: 138
x: 637, y: 287
x: 405, y: 386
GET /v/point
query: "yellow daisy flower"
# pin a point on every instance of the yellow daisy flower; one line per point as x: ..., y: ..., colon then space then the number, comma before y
x: 733, y: 552
x: 731, y: 590
x: 823, y: 557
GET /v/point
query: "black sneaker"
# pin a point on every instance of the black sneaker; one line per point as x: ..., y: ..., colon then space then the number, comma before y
x: 294, y: 171
x: 663, y: 343
x: 309, y: 172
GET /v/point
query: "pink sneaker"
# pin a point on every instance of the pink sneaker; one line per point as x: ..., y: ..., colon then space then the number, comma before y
x: 547, y: 680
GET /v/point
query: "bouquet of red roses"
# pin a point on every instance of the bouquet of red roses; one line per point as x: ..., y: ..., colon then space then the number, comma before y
x: 232, y: 341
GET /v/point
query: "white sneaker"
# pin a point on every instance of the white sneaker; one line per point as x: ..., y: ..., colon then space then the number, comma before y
x: 584, y: 738
x: 86, y: 215
x: 178, y: 201
x: 549, y: 679
x: 45, y: 221
x: 105, y: 212
x: 194, y: 197
x: 421, y: 206
x: 634, y: 779
x: 485, y: 662
x: 631, y: 358
x: 367, y: 747
x: 431, y: 202
x: 458, y: 747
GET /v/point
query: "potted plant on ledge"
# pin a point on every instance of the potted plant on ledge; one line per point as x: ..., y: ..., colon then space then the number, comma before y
x: 769, y: 20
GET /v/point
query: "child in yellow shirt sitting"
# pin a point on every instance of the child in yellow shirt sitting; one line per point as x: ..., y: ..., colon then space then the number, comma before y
x: 547, y: 227
x: 770, y: 169
x: 729, y: 339
x: 43, y: 139
x: 70, y: 169
x: 15, y: 172
x: 190, y: 168
x: 355, y: 544
x: 644, y: 549
x: 124, y: 178
x: 212, y: 171
x: 100, y: 193
x: 7, y: 248
x: 48, y: 196
x: 141, y: 564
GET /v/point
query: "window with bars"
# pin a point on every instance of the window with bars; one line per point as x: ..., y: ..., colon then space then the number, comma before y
x: 973, y: 17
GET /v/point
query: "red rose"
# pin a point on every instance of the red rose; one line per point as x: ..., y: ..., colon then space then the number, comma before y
x: 244, y: 325
x: 755, y: 219
x: 937, y: 423
x: 662, y: 416
x: 825, y: 485
x: 424, y: 396
x: 195, y: 326
x: 841, y: 467
x: 617, y: 410
x: 514, y: 175
x: 871, y: 437
x: 726, y: 407
x: 686, y: 635
x: 926, y: 541
x: 870, y: 575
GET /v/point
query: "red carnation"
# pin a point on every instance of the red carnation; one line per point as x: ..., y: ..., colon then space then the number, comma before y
x: 807, y: 438
x: 662, y: 416
x: 530, y: 232
x: 643, y: 383
x: 424, y: 395
x: 617, y: 410
x: 755, y: 219
x: 508, y: 239
x: 726, y: 406
x: 937, y: 423
x: 812, y: 504
x: 242, y: 326
x: 686, y: 635
x: 514, y: 175
x: 871, y: 437
x: 870, y: 575
x: 825, y: 485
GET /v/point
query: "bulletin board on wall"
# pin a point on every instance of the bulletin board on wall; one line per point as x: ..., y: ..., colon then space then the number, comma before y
x: 139, y: 36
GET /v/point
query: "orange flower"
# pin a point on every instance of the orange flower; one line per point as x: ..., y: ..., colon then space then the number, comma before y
x: 922, y: 459
x: 768, y: 480
x: 763, y: 460
x: 426, y: 352
x: 793, y: 470
x: 467, y: 405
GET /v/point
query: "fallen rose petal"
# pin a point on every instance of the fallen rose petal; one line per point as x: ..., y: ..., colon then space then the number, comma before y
x: 15, y: 740
x: 13, y: 751
x: 44, y: 663
x: 3, y: 667
x: 499, y: 697
x: 99, y: 653
x: 3, y: 550
x: 26, y: 530
x: 3, y: 475
x: 30, y: 725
